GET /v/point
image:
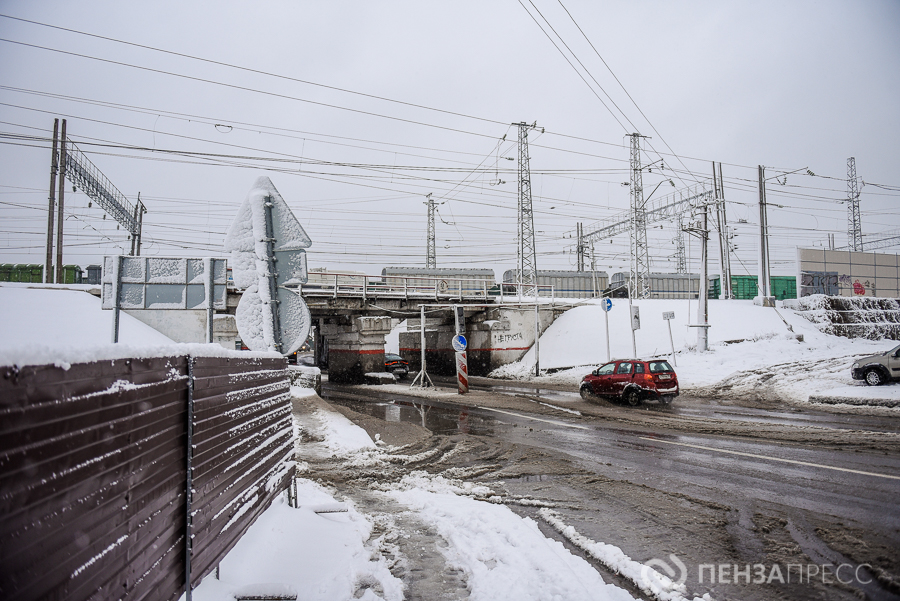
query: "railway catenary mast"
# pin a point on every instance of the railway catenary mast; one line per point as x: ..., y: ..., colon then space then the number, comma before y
x: 526, y: 277
x: 854, y: 230
x: 639, y: 280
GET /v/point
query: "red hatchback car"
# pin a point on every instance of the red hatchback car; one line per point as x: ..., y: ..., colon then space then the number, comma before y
x: 632, y: 380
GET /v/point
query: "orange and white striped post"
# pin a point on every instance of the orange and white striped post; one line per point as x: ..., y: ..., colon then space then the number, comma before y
x: 459, y: 345
x: 462, y: 373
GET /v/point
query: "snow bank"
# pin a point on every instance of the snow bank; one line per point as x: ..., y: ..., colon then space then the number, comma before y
x: 751, y: 350
x: 341, y: 436
x: 643, y: 576
x: 321, y: 555
x: 503, y: 555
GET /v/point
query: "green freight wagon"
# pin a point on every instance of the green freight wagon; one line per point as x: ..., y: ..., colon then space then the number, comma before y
x: 783, y: 286
x: 745, y: 287
x: 32, y: 274
x: 71, y: 274
x: 6, y: 272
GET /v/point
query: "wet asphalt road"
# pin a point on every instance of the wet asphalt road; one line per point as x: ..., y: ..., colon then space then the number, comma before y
x: 814, y: 473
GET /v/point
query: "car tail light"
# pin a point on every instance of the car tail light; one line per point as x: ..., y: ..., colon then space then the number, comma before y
x: 648, y: 377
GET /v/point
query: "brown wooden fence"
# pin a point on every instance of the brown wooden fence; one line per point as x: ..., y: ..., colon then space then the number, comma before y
x: 93, y: 471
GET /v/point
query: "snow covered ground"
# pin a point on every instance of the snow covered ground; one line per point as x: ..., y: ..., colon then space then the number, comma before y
x: 751, y: 350
x: 64, y: 324
x: 347, y: 555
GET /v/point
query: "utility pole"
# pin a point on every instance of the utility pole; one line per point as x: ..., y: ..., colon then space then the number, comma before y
x: 680, y: 257
x: 137, y: 209
x: 579, y: 250
x: 701, y: 229
x: 854, y: 231
x: 639, y: 278
x: 140, y: 227
x: 721, y: 227
x: 703, y: 304
x: 430, y: 254
x: 60, y: 218
x: 54, y: 166
x: 726, y: 277
x: 526, y: 275
x: 593, y: 274
x: 763, y: 238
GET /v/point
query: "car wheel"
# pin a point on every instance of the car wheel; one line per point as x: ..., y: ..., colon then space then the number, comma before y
x: 586, y: 393
x: 632, y: 397
x: 874, y: 377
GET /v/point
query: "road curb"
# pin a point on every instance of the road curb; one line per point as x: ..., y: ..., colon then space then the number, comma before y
x: 848, y: 400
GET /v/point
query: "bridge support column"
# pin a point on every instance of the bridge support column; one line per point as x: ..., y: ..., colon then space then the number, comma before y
x: 355, y: 347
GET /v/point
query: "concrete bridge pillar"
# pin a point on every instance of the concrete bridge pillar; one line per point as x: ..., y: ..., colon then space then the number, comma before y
x: 496, y: 336
x: 355, y: 346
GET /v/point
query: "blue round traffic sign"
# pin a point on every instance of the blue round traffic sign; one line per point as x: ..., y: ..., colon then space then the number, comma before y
x: 606, y: 304
x: 459, y: 343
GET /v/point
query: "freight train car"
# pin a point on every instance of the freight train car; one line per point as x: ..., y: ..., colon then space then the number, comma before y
x: 34, y: 274
x: 448, y: 279
x: 745, y: 286
x: 566, y: 284
x: 662, y: 285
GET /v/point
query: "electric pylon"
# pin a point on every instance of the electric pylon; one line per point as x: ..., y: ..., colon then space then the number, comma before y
x: 526, y: 270
x: 639, y: 278
x: 430, y: 254
x: 854, y: 231
x: 579, y: 249
x: 680, y: 259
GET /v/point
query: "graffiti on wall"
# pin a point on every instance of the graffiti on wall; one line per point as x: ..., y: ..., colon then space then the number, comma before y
x: 819, y: 282
x: 504, y: 338
x: 830, y: 283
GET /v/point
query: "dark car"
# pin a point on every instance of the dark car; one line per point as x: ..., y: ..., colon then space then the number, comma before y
x: 633, y: 381
x: 396, y: 364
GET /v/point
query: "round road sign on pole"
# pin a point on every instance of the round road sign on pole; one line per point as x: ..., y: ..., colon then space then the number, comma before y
x: 459, y: 343
x: 606, y: 304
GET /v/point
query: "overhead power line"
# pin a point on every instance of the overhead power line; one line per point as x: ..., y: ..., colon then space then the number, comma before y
x: 257, y: 71
x: 243, y: 88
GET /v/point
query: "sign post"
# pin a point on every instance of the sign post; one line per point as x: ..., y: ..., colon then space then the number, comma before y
x: 635, y: 325
x: 422, y: 377
x: 163, y: 283
x: 607, y: 307
x: 669, y: 316
x: 266, y: 243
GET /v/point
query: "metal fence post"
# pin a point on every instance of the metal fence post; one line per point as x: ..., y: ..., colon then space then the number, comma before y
x: 117, y: 294
x: 188, y: 546
x: 210, y: 297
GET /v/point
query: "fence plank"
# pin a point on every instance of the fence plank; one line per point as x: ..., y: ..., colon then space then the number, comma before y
x: 92, y: 471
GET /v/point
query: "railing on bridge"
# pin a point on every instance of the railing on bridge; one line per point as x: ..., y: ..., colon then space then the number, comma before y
x: 344, y: 285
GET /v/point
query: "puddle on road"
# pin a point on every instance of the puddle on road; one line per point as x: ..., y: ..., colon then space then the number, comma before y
x: 439, y: 420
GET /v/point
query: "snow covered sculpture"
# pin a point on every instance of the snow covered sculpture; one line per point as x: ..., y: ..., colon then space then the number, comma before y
x: 266, y: 243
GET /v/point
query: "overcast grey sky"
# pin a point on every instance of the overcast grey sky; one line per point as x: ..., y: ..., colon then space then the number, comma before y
x: 788, y: 85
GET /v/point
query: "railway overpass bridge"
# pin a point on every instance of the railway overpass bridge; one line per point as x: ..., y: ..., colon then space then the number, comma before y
x: 353, y: 313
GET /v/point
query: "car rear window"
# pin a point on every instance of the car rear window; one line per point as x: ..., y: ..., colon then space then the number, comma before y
x: 659, y: 366
x: 393, y: 358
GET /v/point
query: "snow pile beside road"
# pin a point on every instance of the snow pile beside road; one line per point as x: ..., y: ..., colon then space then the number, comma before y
x: 751, y: 351
x: 503, y: 555
x: 321, y: 556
